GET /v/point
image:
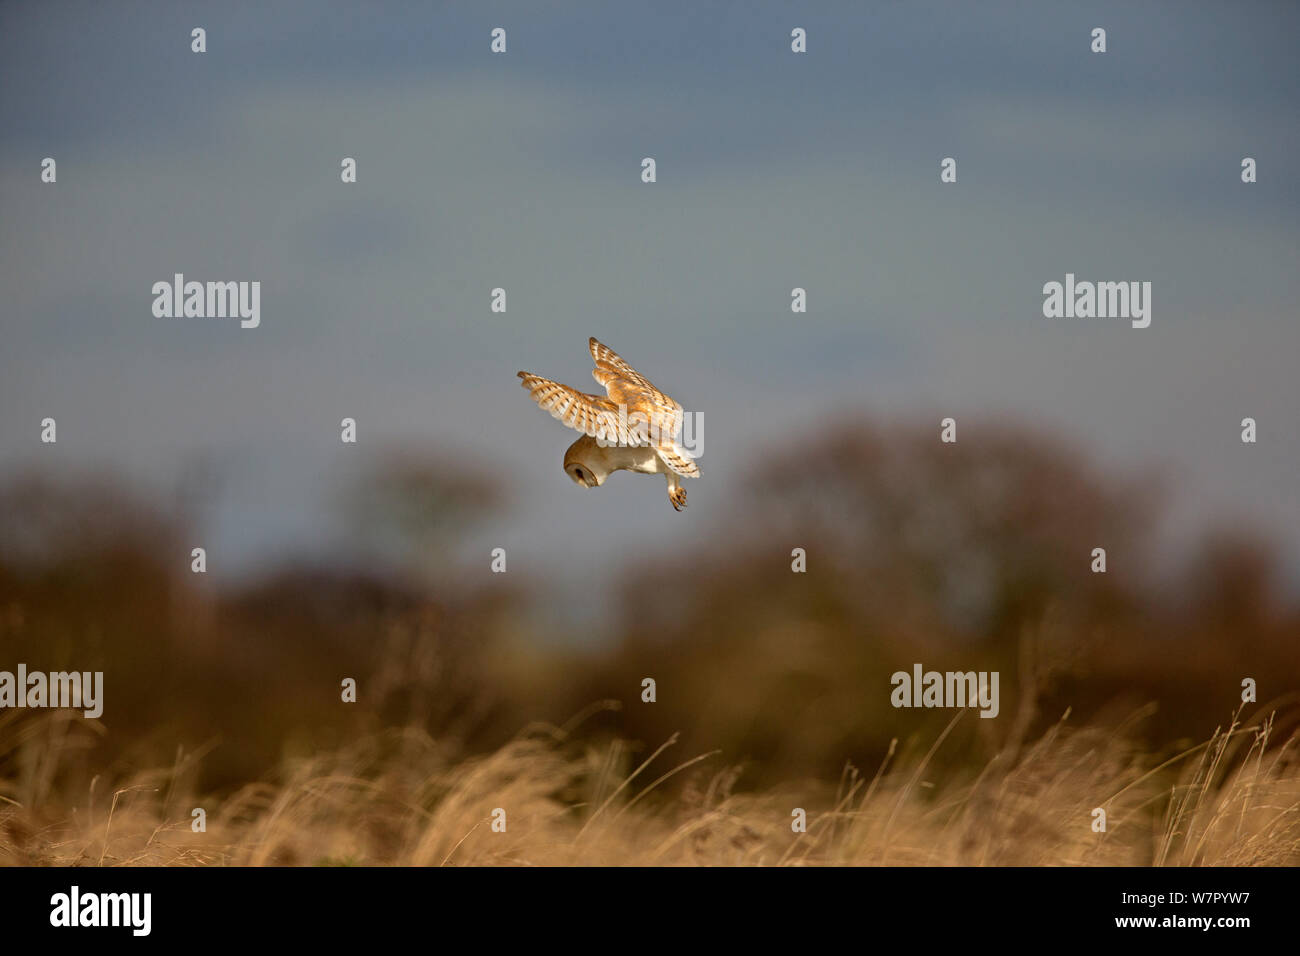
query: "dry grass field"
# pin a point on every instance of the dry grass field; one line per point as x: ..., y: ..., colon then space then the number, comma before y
x: 397, y: 799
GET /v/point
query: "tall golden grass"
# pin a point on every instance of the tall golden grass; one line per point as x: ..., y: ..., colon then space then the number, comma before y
x: 403, y: 798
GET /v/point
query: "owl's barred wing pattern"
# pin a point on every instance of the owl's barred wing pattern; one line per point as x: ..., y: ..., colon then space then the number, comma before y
x: 662, y: 413
x: 625, y: 385
x: 609, y: 364
x: 592, y: 415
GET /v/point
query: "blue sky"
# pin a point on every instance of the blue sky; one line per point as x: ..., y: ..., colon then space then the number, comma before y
x: 522, y: 171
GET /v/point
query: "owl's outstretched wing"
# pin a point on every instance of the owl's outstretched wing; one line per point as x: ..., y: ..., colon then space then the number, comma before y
x: 592, y: 415
x: 663, y: 414
x: 610, y: 365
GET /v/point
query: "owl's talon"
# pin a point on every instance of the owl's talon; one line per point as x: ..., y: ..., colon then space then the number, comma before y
x: 678, y: 498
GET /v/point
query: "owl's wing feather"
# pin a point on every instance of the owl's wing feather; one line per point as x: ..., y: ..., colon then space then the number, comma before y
x: 592, y: 415
x: 609, y: 365
x: 662, y: 413
x: 626, y: 386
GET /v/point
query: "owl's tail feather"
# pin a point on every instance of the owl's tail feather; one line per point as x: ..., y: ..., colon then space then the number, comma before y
x: 677, y: 458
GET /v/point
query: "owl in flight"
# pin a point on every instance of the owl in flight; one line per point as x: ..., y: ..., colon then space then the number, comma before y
x: 636, y: 428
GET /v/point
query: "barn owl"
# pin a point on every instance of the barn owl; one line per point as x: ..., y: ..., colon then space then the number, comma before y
x: 636, y: 428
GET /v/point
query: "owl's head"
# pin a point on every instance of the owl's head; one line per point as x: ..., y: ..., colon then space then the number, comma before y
x: 585, y: 463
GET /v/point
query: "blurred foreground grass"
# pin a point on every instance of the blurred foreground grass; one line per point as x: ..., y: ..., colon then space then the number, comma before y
x: 399, y: 798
